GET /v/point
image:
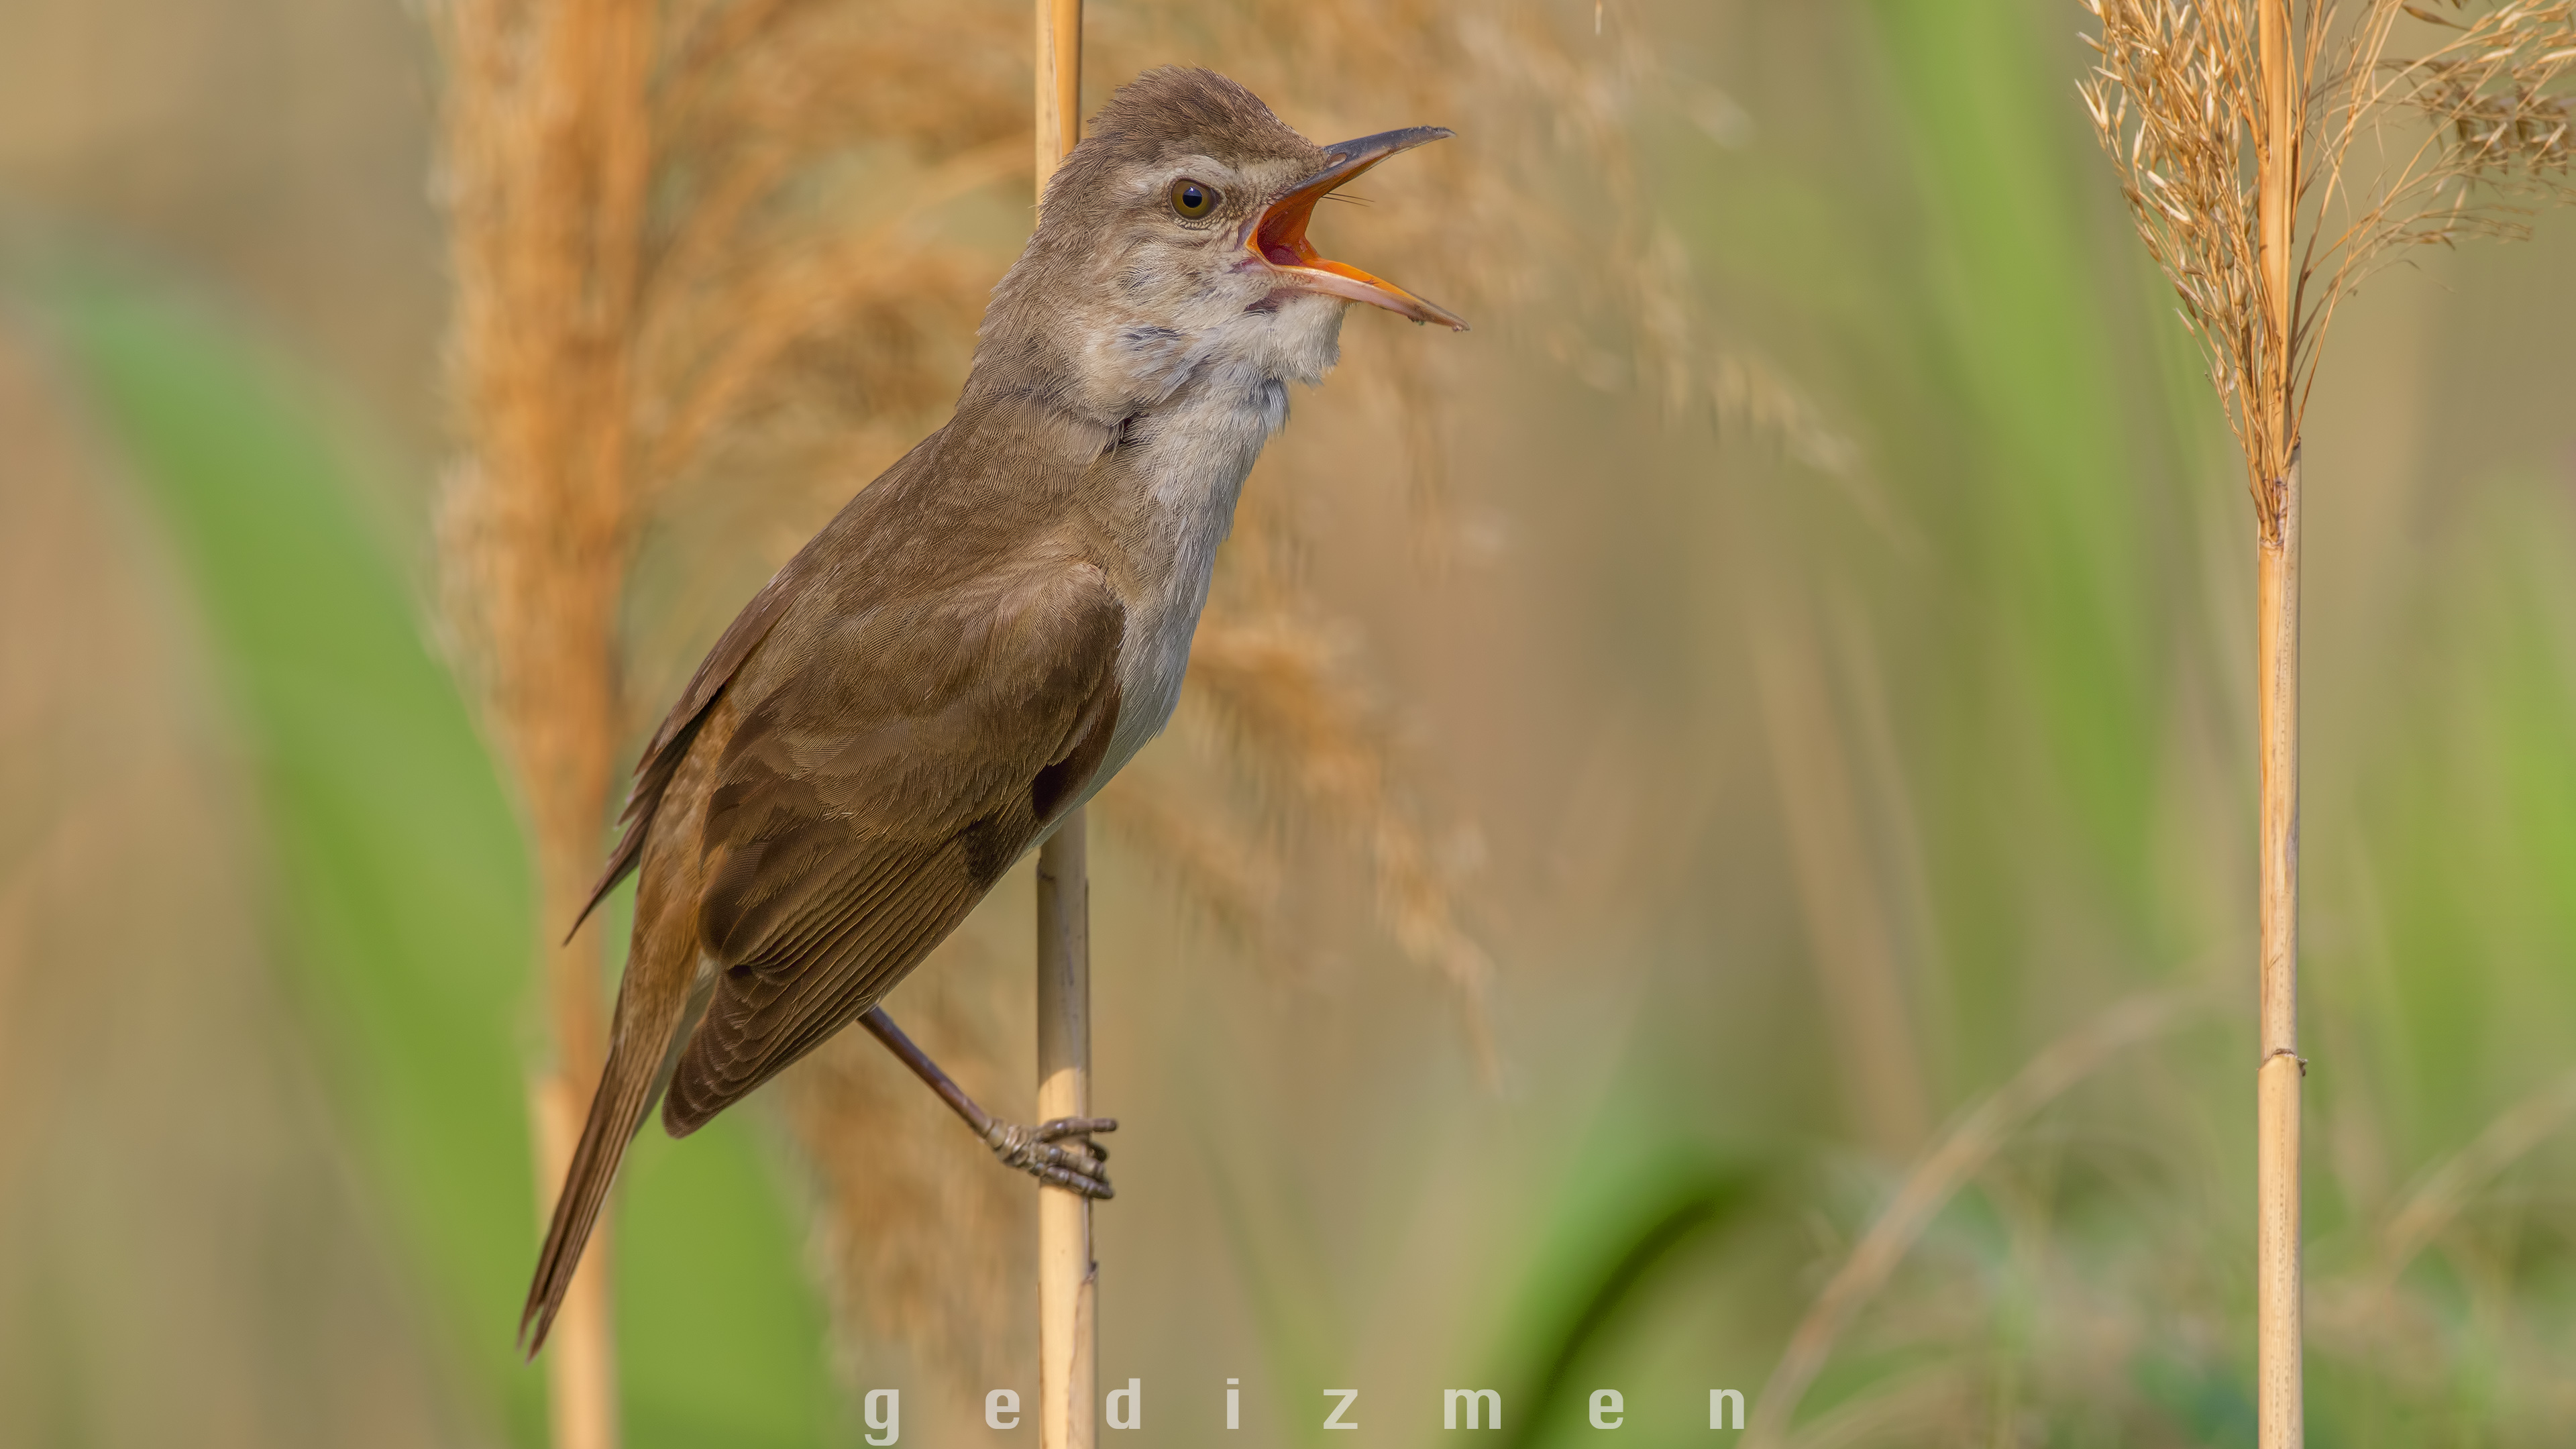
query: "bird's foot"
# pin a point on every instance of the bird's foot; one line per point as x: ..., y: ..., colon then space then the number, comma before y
x: 1041, y: 1152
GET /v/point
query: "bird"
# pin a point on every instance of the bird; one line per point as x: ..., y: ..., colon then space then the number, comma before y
x: 981, y: 637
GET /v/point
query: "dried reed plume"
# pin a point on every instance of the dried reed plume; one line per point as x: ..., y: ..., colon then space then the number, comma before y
x: 2238, y: 129
x: 2458, y: 138
x: 1271, y: 687
x: 717, y: 261
x: 547, y: 170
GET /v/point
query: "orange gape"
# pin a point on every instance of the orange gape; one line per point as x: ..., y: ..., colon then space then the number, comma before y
x: 1278, y: 237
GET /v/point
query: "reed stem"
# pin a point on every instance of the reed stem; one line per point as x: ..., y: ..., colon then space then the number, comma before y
x: 1068, y: 1279
x: 2280, y: 1410
x: 2180, y: 89
x: 1059, y: 94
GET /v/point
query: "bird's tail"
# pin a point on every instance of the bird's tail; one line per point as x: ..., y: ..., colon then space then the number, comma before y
x: 644, y: 1045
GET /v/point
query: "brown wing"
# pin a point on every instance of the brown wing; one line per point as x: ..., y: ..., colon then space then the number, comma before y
x: 670, y: 744
x: 857, y: 817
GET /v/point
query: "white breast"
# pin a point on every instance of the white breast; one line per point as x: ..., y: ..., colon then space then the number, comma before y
x: 1212, y: 393
x: 1193, y: 454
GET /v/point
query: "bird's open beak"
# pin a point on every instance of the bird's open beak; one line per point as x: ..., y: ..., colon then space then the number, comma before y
x: 1278, y: 235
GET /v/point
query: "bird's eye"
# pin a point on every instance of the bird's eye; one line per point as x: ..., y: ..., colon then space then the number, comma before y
x: 1193, y: 200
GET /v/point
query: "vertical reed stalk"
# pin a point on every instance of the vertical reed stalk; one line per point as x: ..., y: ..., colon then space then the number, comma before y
x: 2260, y: 256
x: 1068, y: 1279
x: 2279, y: 1398
x: 547, y: 157
x: 2278, y: 1403
x: 1059, y: 92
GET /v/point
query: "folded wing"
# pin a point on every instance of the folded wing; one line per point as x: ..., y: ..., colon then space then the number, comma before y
x: 856, y: 819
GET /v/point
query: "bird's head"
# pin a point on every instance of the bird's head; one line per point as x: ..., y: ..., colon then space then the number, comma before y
x: 1173, y: 241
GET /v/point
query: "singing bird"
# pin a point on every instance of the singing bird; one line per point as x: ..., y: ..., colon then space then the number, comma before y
x: 981, y: 637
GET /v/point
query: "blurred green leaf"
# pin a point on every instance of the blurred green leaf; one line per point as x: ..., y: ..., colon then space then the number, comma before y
x: 2204, y: 1401
x: 403, y: 904
x: 1608, y: 1259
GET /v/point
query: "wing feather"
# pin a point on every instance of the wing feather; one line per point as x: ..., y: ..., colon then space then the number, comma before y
x: 851, y: 829
x: 670, y: 743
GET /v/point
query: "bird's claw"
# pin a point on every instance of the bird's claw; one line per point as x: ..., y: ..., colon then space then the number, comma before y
x: 1038, y: 1151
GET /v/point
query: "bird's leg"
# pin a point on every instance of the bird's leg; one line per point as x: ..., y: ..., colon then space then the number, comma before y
x: 1033, y: 1150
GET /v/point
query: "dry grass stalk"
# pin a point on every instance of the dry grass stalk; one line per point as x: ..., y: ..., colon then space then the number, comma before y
x: 1935, y: 1405
x: 1068, y: 1403
x: 547, y: 170
x: 2236, y: 129
x: 2451, y: 1184
x: 1959, y: 1154
x: 1068, y: 1275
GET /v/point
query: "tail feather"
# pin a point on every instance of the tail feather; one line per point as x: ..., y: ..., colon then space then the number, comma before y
x: 615, y: 1112
x: 660, y: 1000
x: 639, y: 1068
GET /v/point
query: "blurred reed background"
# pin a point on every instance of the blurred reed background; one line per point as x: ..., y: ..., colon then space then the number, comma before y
x: 1708, y: 845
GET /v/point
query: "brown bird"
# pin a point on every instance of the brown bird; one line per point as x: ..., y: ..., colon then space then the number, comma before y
x: 982, y: 637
